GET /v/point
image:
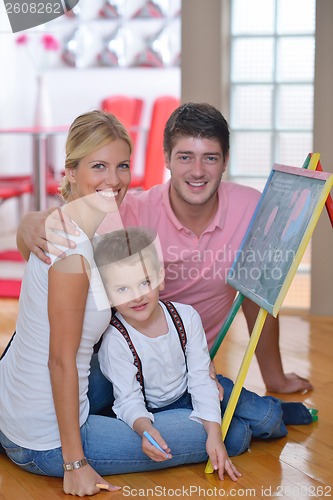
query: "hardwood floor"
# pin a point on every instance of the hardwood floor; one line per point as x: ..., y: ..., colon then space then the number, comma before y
x: 297, y: 466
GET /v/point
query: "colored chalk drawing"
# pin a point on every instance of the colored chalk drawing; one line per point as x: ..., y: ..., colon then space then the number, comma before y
x: 284, y: 220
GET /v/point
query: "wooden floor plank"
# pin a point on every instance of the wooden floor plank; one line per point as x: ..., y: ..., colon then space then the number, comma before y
x: 297, y: 466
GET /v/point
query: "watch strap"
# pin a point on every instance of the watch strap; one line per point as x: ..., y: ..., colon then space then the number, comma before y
x: 75, y: 465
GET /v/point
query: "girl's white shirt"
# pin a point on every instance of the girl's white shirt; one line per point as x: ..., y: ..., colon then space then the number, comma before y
x: 163, y: 367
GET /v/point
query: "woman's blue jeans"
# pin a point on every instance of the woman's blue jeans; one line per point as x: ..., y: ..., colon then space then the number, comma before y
x: 112, y: 447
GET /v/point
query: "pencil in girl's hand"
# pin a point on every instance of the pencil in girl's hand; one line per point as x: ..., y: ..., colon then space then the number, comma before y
x: 155, y: 443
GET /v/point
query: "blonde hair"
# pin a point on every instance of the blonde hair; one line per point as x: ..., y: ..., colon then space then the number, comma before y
x: 89, y: 132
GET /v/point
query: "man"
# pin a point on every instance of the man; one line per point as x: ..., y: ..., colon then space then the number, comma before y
x: 201, y: 222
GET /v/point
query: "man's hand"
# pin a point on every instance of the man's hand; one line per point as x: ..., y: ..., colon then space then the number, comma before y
x: 37, y: 233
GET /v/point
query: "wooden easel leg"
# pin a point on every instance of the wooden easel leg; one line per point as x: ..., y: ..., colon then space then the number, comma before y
x: 255, y: 335
x: 226, y: 325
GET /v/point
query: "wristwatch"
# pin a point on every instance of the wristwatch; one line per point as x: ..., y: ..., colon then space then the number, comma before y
x: 75, y: 465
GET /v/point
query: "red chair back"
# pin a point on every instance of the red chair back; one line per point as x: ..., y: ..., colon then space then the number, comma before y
x: 154, y: 163
x: 127, y: 109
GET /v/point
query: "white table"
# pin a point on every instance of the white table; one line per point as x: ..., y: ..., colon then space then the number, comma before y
x: 42, y: 138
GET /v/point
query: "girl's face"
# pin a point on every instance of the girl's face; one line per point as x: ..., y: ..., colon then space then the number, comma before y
x: 134, y: 289
x: 103, y: 176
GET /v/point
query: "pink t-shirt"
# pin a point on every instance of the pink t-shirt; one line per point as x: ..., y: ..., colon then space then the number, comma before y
x: 195, y: 268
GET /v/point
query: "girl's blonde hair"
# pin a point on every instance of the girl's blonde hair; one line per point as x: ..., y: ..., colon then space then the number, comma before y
x: 89, y: 132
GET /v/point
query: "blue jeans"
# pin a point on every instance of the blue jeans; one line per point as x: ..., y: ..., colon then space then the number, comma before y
x: 254, y: 416
x: 112, y: 447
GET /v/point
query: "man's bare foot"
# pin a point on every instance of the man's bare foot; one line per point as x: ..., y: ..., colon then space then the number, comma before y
x: 292, y: 383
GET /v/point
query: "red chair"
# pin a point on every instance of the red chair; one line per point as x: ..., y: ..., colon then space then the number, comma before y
x: 15, y: 187
x: 10, y: 287
x: 154, y: 162
x: 129, y: 111
x: 53, y: 182
x: 15, y: 178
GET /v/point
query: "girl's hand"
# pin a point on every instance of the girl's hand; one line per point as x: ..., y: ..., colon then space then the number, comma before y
x: 219, y: 457
x: 151, y: 451
x: 84, y: 481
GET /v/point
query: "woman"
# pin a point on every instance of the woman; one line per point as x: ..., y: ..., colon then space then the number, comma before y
x: 45, y: 426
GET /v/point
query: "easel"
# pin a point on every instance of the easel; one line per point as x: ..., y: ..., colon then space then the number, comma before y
x: 265, y: 306
x: 312, y: 162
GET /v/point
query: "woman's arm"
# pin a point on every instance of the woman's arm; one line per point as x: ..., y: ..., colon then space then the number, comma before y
x: 68, y: 291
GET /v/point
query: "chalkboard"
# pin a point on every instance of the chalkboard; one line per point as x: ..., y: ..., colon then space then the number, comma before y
x: 278, y: 234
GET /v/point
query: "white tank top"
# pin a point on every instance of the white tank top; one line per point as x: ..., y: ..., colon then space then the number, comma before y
x: 27, y: 413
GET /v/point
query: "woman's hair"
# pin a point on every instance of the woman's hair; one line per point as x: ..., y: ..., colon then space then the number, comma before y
x: 199, y: 120
x: 89, y: 132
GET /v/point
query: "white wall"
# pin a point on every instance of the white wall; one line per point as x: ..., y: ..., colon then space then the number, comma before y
x: 322, y: 240
x: 71, y: 92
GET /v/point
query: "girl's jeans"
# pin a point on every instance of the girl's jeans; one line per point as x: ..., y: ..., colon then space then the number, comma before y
x: 254, y: 416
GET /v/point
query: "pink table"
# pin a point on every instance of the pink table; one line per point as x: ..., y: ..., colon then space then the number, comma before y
x: 42, y: 137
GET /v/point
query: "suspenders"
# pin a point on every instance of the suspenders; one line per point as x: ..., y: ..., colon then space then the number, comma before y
x: 179, y: 325
x: 137, y: 362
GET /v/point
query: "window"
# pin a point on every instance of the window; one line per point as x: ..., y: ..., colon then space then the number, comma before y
x: 271, y: 100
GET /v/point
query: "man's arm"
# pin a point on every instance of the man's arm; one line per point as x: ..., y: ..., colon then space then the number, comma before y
x: 37, y: 233
x: 269, y: 357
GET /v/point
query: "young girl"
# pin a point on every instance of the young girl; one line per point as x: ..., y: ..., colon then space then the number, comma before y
x: 45, y: 426
x: 156, y: 356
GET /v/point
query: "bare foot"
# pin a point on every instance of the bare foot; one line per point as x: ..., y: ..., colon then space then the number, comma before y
x: 292, y: 383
